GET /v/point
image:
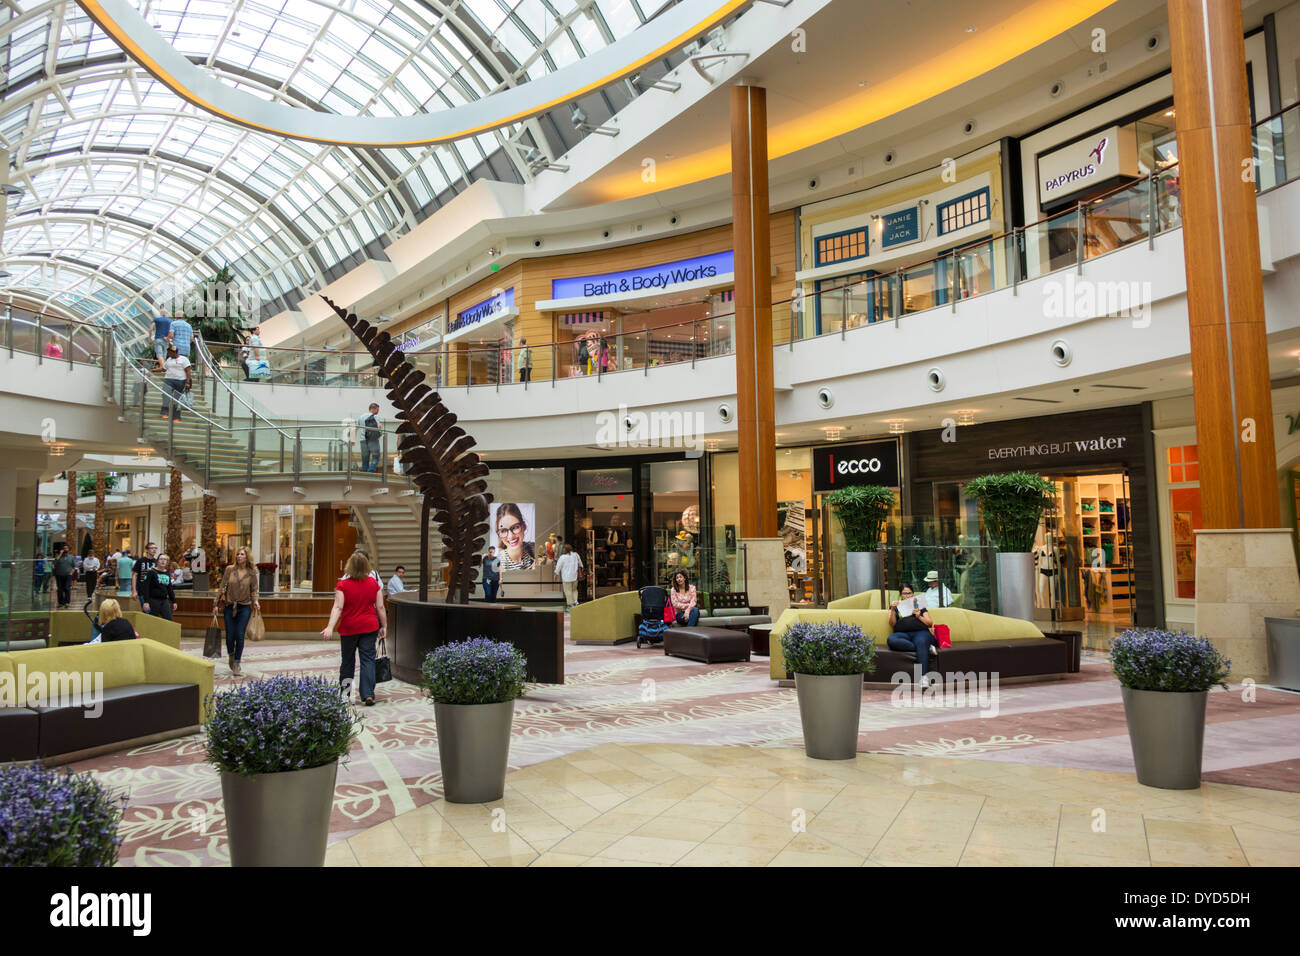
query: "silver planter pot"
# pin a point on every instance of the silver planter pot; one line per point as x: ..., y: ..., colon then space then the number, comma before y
x: 1016, y: 585
x: 863, y: 570
x: 1167, y: 733
x: 474, y: 748
x: 829, y: 709
x: 279, y: 819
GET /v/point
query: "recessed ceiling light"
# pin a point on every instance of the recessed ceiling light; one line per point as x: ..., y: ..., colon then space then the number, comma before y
x: 971, y: 29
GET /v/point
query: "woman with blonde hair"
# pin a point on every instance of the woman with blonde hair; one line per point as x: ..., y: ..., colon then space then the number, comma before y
x: 112, y: 625
x: 237, y: 597
x: 358, y: 614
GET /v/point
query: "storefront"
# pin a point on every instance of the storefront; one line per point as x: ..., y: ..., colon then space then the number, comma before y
x: 904, y: 246
x: 811, y: 535
x: 631, y: 519
x: 1098, y: 546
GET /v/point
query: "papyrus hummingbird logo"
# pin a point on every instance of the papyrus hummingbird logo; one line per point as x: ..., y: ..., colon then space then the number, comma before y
x: 1100, y: 149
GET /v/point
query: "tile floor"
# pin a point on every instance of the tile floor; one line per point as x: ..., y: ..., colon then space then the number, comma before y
x: 683, y: 805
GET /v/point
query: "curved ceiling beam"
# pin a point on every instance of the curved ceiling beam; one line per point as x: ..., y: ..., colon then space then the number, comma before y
x: 87, y: 270
x: 652, y: 41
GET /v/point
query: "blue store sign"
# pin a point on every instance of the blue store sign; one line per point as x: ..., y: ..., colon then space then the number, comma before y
x: 899, y: 228
x: 483, y: 310
x: 648, y: 279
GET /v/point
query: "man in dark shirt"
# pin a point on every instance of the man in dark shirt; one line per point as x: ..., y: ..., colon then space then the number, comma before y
x: 65, y: 569
x: 143, y: 565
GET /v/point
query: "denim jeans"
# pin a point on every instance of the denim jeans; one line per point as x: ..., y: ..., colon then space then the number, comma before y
x: 369, y: 455
x: 63, y: 584
x: 918, y: 642
x: 171, y: 404
x: 237, y: 616
x: 490, y: 589
x: 689, y: 619
x: 161, y: 608
x: 351, y: 644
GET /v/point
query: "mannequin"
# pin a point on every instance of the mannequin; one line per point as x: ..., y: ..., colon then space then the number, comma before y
x: 1045, y: 559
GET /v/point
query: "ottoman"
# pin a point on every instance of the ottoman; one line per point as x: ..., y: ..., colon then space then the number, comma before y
x: 709, y: 645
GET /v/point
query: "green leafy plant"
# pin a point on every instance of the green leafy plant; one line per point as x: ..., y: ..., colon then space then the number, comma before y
x: 279, y: 724
x: 215, y: 311
x: 1011, y: 505
x: 862, y: 510
x: 86, y: 484
x: 827, y: 648
x: 1151, y: 658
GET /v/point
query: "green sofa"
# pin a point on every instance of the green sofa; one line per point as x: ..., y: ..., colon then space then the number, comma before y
x: 870, y: 601
x: 72, y: 627
x: 607, y: 620
x: 966, y: 627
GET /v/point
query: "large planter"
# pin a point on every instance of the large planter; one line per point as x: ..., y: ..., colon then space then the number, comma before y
x: 829, y: 709
x: 473, y: 748
x: 1016, y: 585
x: 863, y: 569
x: 201, y: 581
x: 1283, y: 651
x: 279, y: 819
x: 266, y: 582
x: 1166, y: 730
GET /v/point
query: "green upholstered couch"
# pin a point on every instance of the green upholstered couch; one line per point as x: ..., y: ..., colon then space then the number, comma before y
x: 965, y: 627
x: 606, y: 620
x: 72, y: 627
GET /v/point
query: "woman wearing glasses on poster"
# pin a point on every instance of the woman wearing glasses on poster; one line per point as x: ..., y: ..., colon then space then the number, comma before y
x: 516, y: 551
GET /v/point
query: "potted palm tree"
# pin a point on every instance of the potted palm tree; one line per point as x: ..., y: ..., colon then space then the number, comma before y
x: 277, y: 744
x: 862, y: 510
x: 829, y: 661
x: 1011, y: 505
x: 49, y: 818
x: 1165, y: 678
x: 473, y: 685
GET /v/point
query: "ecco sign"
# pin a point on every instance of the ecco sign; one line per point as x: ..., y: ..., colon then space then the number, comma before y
x: 841, y: 466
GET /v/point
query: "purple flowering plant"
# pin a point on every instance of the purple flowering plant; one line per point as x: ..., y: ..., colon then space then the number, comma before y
x: 49, y: 818
x: 474, y: 671
x: 827, y: 648
x: 279, y: 724
x: 1150, y: 658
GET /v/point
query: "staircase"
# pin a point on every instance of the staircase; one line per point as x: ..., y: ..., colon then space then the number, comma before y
x: 392, y: 532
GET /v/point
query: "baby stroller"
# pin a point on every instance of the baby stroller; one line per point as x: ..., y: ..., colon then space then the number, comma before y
x: 651, y: 629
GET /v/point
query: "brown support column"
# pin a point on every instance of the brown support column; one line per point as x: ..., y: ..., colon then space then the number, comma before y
x: 755, y: 398
x: 1225, y: 295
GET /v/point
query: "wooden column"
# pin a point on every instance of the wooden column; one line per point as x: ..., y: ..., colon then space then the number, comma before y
x: 1225, y: 295
x: 751, y: 237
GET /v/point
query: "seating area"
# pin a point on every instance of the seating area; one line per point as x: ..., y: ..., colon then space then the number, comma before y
x: 870, y: 601
x: 70, y: 703
x: 614, y: 619
x: 980, y: 642
x: 73, y: 627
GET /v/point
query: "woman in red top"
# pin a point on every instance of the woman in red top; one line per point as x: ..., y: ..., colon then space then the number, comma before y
x: 358, y: 614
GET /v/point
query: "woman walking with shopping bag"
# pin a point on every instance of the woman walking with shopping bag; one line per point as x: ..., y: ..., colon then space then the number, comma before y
x: 237, y: 598
x: 360, y: 619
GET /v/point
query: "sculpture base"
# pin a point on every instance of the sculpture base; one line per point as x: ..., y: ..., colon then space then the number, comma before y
x: 416, y: 627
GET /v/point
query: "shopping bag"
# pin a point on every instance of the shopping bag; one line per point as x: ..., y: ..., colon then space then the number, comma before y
x: 259, y: 369
x: 670, y: 614
x: 943, y: 635
x: 256, y: 629
x: 383, y: 666
x: 212, y: 639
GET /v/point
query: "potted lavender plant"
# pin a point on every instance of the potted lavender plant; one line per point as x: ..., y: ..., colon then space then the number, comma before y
x: 277, y: 743
x: 829, y: 661
x: 49, y: 818
x: 1165, y: 678
x: 473, y: 685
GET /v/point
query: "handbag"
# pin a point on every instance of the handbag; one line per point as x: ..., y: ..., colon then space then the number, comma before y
x: 943, y: 634
x: 212, y: 639
x: 383, y: 666
x: 670, y: 614
x: 256, y: 629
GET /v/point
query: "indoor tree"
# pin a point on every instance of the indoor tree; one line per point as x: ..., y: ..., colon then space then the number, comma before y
x: 72, y: 511
x: 1011, y: 505
x: 862, y: 510
x: 208, y: 537
x: 215, y: 310
x: 172, y: 542
x: 101, y: 520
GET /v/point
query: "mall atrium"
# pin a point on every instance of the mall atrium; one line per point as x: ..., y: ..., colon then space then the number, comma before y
x: 894, y: 329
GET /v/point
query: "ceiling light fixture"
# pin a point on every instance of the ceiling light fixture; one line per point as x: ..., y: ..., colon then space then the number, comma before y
x: 895, y: 428
x: 832, y: 432
x: 965, y: 416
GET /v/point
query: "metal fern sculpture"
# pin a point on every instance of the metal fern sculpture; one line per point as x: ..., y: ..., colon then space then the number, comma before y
x: 437, y: 456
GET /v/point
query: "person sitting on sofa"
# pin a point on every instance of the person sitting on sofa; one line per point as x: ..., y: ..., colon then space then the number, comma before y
x: 913, y: 629
x: 685, y: 604
x: 933, y: 595
x: 112, y: 625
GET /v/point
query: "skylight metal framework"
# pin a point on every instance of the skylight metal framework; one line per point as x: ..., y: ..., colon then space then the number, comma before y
x: 129, y: 190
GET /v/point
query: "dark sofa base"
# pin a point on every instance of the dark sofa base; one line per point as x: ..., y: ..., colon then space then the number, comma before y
x: 1026, y: 657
